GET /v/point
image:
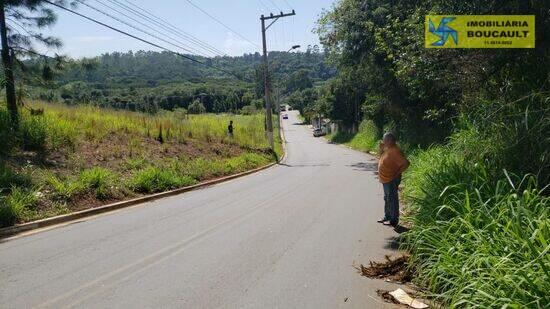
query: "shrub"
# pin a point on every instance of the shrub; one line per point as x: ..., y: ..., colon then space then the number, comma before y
x: 99, y: 180
x: 155, y: 179
x: 15, y: 206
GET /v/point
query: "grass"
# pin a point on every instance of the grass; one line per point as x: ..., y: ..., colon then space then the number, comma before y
x: 477, y: 241
x: 154, y: 179
x: 67, y: 125
x: 479, y: 235
x: 72, y: 158
x: 366, y: 139
x: 99, y: 180
x: 18, y: 204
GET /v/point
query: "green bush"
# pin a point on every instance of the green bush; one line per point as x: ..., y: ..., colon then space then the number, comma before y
x: 155, y: 179
x: 16, y: 205
x: 100, y: 180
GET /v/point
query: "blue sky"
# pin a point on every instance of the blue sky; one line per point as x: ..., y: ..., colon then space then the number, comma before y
x: 83, y: 38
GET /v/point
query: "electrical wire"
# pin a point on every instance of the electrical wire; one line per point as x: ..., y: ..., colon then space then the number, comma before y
x: 263, y: 4
x: 151, y: 28
x: 221, y: 23
x: 134, y: 27
x: 275, y: 4
x: 288, y: 4
x: 167, y: 26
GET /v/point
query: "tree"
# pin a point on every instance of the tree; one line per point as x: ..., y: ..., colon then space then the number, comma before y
x: 20, y: 21
x: 298, y: 80
x: 386, y: 74
x: 196, y: 108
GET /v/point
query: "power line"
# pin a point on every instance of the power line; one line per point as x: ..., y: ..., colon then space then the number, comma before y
x: 274, y: 4
x: 168, y: 26
x: 141, y: 39
x: 221, y: 23
x: 134, y: 27
x: 149, y: 27
x: 290, y: 6
x: 263, y: 4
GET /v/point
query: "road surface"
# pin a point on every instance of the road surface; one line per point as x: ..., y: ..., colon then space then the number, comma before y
x: 286, y: 237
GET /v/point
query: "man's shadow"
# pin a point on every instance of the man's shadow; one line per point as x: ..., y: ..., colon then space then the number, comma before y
x: 365, y: 166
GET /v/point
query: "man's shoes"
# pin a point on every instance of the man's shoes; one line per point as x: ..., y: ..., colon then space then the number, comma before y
x: 382, y: 220
x: 387, y: 222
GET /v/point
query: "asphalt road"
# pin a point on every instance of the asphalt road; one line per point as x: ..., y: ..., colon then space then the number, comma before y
x: 286, y: 237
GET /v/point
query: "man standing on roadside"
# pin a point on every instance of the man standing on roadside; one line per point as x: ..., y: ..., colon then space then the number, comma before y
x: 390, y: 167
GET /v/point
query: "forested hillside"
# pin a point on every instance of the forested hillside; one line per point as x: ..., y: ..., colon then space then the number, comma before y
x: 148, y: 81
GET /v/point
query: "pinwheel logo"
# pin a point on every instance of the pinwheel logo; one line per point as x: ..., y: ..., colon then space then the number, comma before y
x: 443, y: 31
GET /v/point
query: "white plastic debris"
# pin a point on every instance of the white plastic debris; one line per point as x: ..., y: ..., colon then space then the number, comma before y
x: 404, y: 298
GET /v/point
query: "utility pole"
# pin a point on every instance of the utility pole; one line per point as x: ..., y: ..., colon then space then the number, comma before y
x: 7, y: 61
x: 267, y: 90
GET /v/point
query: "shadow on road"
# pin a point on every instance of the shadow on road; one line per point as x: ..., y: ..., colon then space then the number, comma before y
x: 394, y: 242
x: 365, y: 166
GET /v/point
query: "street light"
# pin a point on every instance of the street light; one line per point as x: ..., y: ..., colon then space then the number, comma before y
x: 278, y: 90
x: 293, y: 47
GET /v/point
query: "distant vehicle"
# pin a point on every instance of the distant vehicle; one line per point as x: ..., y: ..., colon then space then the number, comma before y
x: 318, y: 132
x: 285, y: 116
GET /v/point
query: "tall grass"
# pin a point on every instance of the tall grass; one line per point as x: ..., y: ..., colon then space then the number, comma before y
x: 99, y: 180
x: 476, y: 241
x: 179, y: 173
x: 78, y: 155
x: 9, y: 179
x: 67, y: 125
x: 16, y: 206
x: 366, y: 139
x: 155, y: 179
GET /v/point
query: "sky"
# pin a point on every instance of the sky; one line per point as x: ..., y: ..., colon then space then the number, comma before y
x: 82, y: 38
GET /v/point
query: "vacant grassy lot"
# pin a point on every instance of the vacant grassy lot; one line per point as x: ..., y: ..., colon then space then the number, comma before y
x: 72, y: 158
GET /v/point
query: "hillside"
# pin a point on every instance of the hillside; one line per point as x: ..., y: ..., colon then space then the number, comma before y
x: 149, y: 81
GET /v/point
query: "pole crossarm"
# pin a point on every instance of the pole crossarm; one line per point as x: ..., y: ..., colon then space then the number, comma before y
x: 271, y: 16
x: 275, y: 17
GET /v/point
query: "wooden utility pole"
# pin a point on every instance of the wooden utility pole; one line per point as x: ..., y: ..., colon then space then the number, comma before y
x: 7, y: 61
x: 267, y: 90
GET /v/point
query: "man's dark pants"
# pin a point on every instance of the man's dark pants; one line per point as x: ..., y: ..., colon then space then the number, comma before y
x: 391, y: 201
